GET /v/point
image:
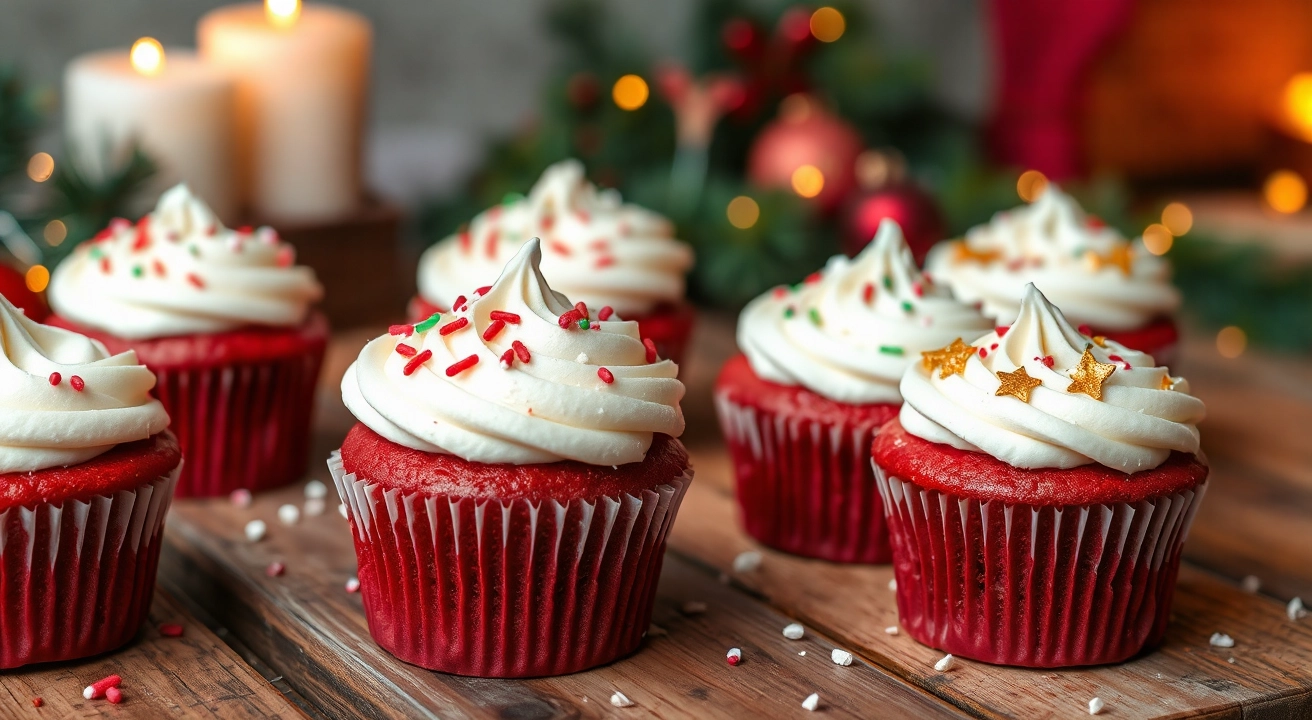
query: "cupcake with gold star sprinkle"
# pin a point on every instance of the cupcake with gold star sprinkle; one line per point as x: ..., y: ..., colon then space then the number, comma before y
x: 1039, y: 485
x: 1105, y: 284
x: 817, y: 378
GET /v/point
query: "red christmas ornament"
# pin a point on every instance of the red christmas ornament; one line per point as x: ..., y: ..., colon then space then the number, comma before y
x: 742, y: 38
x: 904, y: 201
x: 583, y: 90
x: 806, y: 134
x: 13, y: 286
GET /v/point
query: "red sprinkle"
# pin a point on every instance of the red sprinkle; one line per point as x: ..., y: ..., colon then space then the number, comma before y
x: 1001, y: 330
x: 212, y: 229
x: 599, y: 244
x: 159, y: 268
x: 483, y: 290
x: 55, y: 378
x: 460, y: 366
x: 466, y: 241
x: 994, y: 346
x: 493, y: 328
x: 1085, y: 330
x: 780, y: 292
x: 508, y: 357
x: 275, y: 569
x: 559, y: 248
x: 170, y: 630
x: 96, y: 690
x: 868, y: 293
x: 104, y: 265
x: 651, y: 349
x: 142, y: 241
x: 521, y: 351
x: 547, y: 222
x: 402, y: 330
x: 194, y: 279
x: 38, y: 702
x: 605, y: 261
x: 813, y: 278
x: 983, y: 353
x: 416, y: 361
x: 1047, y: 360
x: 606, y: 376
x: 286, y: 256
x: 583, y: 309
x: 917, y: 289
x: 245, y: 229
x: 406, y: 350
x: 459, y: 304
x: 504, y: 316
x: 1119, y: 359
x: 77, y: 383
x: 582, y: 215
x: 568, y: 318
x: 114, y: 695
x: 453, y: 326
x: 605, y: 312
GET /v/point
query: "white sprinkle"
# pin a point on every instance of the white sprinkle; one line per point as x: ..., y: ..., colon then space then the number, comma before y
x: 794, y: 631
x: 1230, y: 660
x: 1251, y: 583
x: 341, y: 509
x: 891, y: 629
x: 841, y: 657
x: 255, y: 530
x: 88, y: 692
x: 892, y: 584
x: 241, y: 497
x: 656, y: 631
x: 314, y: 507
x: 353, y: 585
x: 316, y: 489
x: 1295, y: 609
x: 1096, y: 705
x: 946, y: 664
x: 747, y: 561
x: 1221, y: 640
x: 734, y: 656
x: 811, y: 702
x: 289, y: 514
x: 620, y: 700
x: 802, y: 654
x: 693, y: 607
x: 582, y: 359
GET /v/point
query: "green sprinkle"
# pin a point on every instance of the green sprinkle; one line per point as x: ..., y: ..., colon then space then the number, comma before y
x: 890, y: 350
x: 96, y: 254
x: 511, y: 198
x: 907, y: 306
x: 584, y: 324
x: 814, y: 315
x: 888, y: 282
x: 789, y: 311
x: 428, y: 324
x: 138, y: 271
x: 195, y: 251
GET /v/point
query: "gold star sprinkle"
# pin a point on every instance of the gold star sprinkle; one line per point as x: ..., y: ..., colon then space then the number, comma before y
x: 1089, y: 376
x: 1119, y: 256
x: 1100, y: 341
x: 1017, y: 384
x: 950, y: 360
x: 962, y: 252
x: 1167, y: 382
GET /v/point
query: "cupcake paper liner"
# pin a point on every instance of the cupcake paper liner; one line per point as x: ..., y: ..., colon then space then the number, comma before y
x: 241, y: 426
x: 806, y: 487
x: 507, y: 588
x: 78, y: 576
x: 1035, y: 586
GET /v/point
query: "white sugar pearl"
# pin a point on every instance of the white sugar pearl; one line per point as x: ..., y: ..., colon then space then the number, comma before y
x: 289, y: 514
x: 316, y: 489
x: 747, y: 561
x: 946, y: 664
x: 891, y: 629
x: 1221, y: 640
x: 794, y: 631
x: 892, y: 584
x: 1096, y: 705
x: 353, y: 585
x: 841, y: 657
x: 1295, y: 610
x: 620, y: 700
x: 314, y: 506
x: 811, y: 702
x: 255, y: 530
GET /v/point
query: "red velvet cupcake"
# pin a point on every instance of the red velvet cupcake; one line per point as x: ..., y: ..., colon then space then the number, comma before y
x: 817, y: 379
x: 615, y: 257
x: 1106, y: 285
x: 511, y: 482
x: 224, y: 320
x: 87, y: 470
x: 1039, y: 487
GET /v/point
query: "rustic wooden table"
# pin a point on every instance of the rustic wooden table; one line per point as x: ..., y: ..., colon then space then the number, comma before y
x: 261, y: 646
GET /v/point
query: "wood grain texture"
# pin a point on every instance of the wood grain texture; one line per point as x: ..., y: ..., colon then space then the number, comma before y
x: 195, y: 675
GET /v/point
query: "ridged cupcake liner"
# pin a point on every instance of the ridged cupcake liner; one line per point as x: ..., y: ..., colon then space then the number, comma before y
x: 241, y: 426
x: 804, y: 486
x: 1035, y: 586
x: 77, y: 577
x: 507, y: 589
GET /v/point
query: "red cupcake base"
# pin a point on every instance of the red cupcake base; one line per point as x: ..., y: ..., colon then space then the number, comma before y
x: 993, y: 571
x: 240, y: 402
x: 802, y: 465
x: 669, y: 325
x: 77, y: 570
x: 517, y: 585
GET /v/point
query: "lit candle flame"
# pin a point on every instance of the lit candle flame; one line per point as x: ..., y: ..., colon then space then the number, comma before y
x: 147, y: 56
x: 282, y: 13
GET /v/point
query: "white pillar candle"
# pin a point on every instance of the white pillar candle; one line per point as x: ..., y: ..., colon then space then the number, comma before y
x: 302, y: 82
x: 179, y: 110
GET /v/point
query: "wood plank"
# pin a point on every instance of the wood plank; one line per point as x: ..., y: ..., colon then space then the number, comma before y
x: 195, y: 675
x: 306, y: 626
x: 1185, y: 678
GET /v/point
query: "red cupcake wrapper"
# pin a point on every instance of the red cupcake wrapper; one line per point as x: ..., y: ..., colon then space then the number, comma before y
x: 241, y: 426
x: 78, y: 576
x: 507, y: 589
x: 806, y: 487
x: 1035, y: 586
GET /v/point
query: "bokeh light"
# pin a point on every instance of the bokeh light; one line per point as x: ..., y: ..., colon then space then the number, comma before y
x: 55, y: 232
x: 37, y: 278
x: 1030, y: 185
x: 282, y: 13
x: 1157, y: 239
x: 808, y: 181
x: 630, y: 92
x: 827, y: 24
x: 1178, y: 218
x: 1231, y: 341
x: 40, y: 167
x: 1285, y: 191
x: 147, y: 56
x: 743, y: 212
x: 1298, y: 102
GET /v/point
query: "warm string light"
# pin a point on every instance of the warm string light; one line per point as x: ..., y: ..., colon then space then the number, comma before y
x: 743, y: 212
x: 1298, y: 102
x: 282, y: 13
x: 1231, y: 341
x: 55, y: 232
x: 1285, y: 191
x: 1157, y: 239
x: 808, y: 181
x: 827, y: 24
x: 630, y: 92
x: 40, y: 167
x: 1178, y: 218
x: 1030, y: 185
x: 37, y: 278
x: 147, y: 56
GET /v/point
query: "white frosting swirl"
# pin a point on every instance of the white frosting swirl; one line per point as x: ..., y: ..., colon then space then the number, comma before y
x: 180, y: 272
x: 1143, y: 415
x: 850, y: 331
x: 46, y: 424
x: 596, y: 248
x: 556, y: 406
x: 1089, y: 270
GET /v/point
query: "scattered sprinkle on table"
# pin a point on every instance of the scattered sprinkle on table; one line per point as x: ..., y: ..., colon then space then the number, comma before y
x: 841, y: 657
x: 1096, y: 705
x: 794, y: 631
x: 945, y: 664
x: 1295, y: 610
x: 1221, y: 640
x: 1251, y: 583
x: 275, y: 569
x: 892, y: 584
x: 891, y: 630
x: 241, y: 497
x: 37, y: 702
x: 734, y: 657
x: 171, y: 630
x: 255, y: 530
x: 747, y: 561
x: 96, y: 690
x: 316, y: 489
x: 693, y: 607
x: 289, y: 514
x: 114, y: 695
x: 353, y: 585
x: 620, y: 700
x: 811, y: 702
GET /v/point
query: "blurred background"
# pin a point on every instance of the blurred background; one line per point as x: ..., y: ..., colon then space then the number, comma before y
x: 1186, y: 122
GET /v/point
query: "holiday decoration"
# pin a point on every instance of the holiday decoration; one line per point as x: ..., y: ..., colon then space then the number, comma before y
x: 1017, y: 384
x: 887, y: 193
x: 14, y: 288
x: 950, y: 360
x: 1089, y: 375
x: 808, y: 149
